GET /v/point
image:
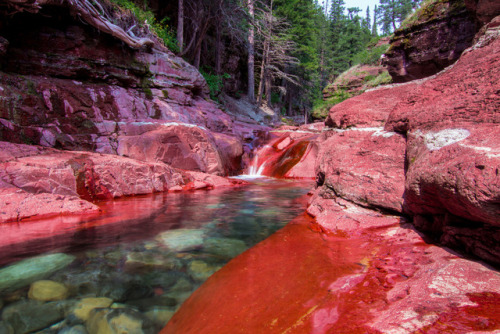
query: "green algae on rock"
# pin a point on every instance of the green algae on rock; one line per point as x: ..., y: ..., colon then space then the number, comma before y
x: 27, y: 271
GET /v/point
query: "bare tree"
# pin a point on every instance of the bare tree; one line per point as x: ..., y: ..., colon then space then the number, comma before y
x: 275, y: 48
x: 180, y: 26
x: 251, y: 52
x: 91, y: 12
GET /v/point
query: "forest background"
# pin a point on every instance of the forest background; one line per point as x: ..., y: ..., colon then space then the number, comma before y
x: 276, y: 53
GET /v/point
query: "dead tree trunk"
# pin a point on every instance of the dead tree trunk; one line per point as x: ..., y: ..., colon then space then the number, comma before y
x: 251, y: 53
x: 180, y: 26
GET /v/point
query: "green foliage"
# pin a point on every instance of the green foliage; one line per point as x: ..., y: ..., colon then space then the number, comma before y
x: 145, y: 16
x: 322, y: 107
x: 275, y: 98
x: 431, y: 9
x: 370, y: 56
x: 215, y: 82
x: 391, y: 13
x: 383, y: 78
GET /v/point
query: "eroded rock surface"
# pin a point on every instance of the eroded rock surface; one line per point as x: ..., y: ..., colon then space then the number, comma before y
x: 315, y: 279
x: 448, y: 128
x: 68, y: 86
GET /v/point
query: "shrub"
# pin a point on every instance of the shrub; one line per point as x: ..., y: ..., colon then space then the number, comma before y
x: 215, y: 82
x: 370, y: 56
x: 322, y: 107
x: 147, y: 17
x: 383, y: 78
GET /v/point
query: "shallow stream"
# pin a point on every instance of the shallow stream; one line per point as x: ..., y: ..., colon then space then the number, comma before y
x: 143, y: 256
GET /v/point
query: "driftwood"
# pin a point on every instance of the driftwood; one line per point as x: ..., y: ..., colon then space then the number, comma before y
x: 87, y: 11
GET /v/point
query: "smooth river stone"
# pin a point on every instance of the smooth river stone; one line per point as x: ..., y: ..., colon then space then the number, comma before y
x: 47, y: 291
x: 86, y: 305
x: 224, y: 247
x: 28, y: 316
x: 27, y: 271
x: 109, y: 321
x: 201, y: 271
x: 182, y: 240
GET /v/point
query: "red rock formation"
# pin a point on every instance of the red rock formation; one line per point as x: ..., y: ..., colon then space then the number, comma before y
x: 365, y: 166
x: 38, y: 181
x: 485, y: 10
x: 288, y: 155
x: 66, y: 85
x: 439, y: 33
x: 452, y: 151
x: 371, y: 110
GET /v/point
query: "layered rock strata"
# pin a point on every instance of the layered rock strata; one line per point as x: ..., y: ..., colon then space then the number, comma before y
x: 37, y: 181
x: 68, y: 85
x: 441, y: 31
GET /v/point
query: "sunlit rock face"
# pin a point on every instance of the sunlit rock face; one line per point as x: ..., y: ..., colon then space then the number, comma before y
x: 37, y: 181
x: 63, y: 84
x: 443, y: 168
x: 365, y: 166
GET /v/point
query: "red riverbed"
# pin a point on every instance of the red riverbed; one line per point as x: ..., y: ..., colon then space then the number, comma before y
x: 290, y: 283
x: 304, y: 280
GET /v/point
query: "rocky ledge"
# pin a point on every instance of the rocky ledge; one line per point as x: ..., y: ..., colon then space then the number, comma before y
x: 37, y: 181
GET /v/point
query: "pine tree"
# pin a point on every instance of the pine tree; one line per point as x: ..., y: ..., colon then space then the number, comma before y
x: 374, y: 26
x: 368, y: 21
x: 392, y: 12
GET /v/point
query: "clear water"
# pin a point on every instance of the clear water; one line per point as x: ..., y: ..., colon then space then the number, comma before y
x: 150, y: 253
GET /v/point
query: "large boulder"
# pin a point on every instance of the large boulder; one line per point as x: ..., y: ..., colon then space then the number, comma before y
x: 452, y: 186
x: 430, y: 40
x: 365, y: 166
x: 182, y: 146
x: 370, y: 109
x: 91, y: 176
x: 485, y: 10
x: 19, y: 204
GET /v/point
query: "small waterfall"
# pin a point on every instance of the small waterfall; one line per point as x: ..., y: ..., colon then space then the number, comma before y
x: 257, y: 166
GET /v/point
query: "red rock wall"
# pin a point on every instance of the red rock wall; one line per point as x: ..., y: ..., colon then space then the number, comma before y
x: 436, y: 159
x: 66, y: 85
x: 434, y: 42
x: 125, y: 118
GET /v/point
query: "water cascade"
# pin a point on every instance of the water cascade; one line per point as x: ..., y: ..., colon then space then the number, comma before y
x: 281, y: 155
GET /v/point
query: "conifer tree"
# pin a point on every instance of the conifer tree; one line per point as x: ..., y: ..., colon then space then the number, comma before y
x: 368, y: 18
x: 374, y: 26
x: 392, y: 12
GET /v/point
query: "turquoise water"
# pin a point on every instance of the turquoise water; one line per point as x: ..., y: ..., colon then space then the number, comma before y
x: 145, y: 254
